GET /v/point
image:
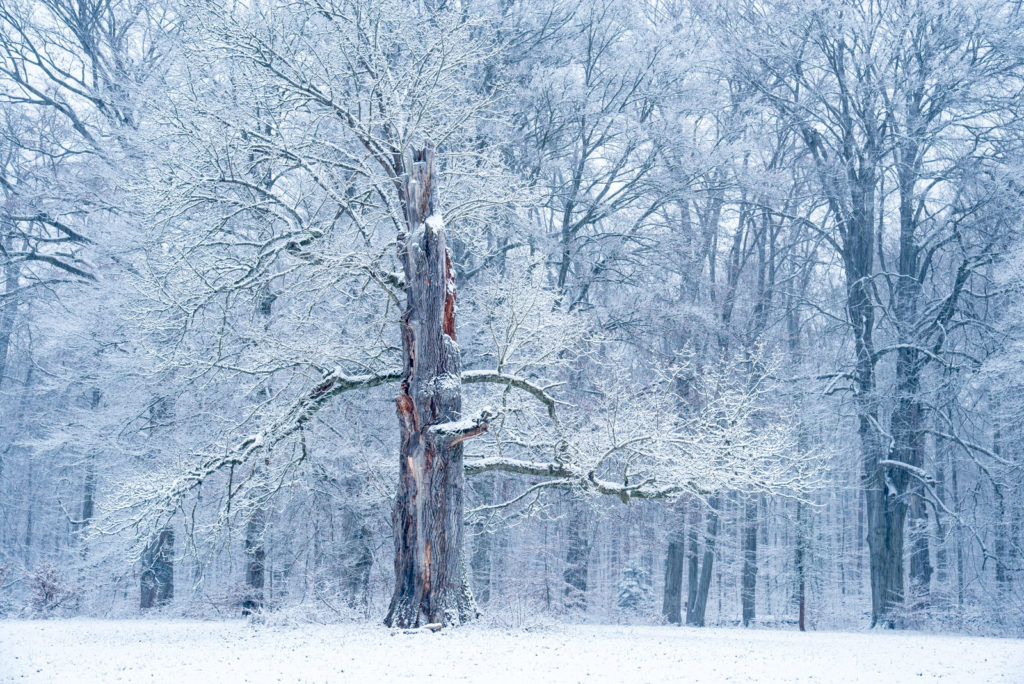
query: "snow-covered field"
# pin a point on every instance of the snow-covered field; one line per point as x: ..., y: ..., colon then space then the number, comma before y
x: 86, y: 650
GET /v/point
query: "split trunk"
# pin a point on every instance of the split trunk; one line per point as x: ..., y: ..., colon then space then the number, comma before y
x: 430, y: 581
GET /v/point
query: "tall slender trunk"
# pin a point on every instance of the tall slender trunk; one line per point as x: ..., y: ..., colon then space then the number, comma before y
x: 577, y: 558
x: 954, y: 486
x: 692, y: 567
x: 88, y: 498
x: 481, y: 563
x: 908, y: 443
x: 8, y: 311
x: 671, y: 606
x: 568, y: 233
x: 1001, y: 551
x: 255, y: 561
x: 482, y: 537
x: 759, y: 322
x: 942, y: 537
x: 256, y: 527
x: 430, y: 580
x: 357, y: 554
x: 801, y: 542
x: 1002, y: 546
x: 88, y: 509
x: 10, y: 436
x: 690, y: 263
x: 157, y: 585
x: 700, y: 599
x: 886, y: 508
x: 30, y: 497
x: 749, y: 579
x: 801, y: 566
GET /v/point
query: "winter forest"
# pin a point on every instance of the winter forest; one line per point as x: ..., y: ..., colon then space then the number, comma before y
x: 637, y: 312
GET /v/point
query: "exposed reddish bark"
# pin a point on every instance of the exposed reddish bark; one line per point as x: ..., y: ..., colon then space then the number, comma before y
x: 430, y: 583
x: 449, y: 299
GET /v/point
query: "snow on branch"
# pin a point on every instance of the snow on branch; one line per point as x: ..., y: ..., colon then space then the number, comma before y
x: 153, y: 498
x: 499, y: 378
x: 569, y: 475
x: 641, y: 449
x: 460, y: 430
x: 638, y: 443
x: 920, y: 473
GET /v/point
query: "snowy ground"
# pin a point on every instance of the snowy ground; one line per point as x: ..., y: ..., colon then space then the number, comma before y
x: 84, y: 650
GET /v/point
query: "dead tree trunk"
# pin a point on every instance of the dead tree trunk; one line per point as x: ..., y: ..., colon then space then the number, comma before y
x: 430, y: 580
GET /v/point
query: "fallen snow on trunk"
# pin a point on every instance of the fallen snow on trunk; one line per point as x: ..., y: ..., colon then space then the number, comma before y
x: 87, y: 650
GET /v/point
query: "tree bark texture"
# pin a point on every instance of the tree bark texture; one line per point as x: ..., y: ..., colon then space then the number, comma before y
x: 255, y: 561
x: 692, y: 563
x: 749, y: 579
x: 886, y: 509
x: 430, y: 581
x: 577, y: 559
x: 706, y: 566
x: 255, y: 529
x: 908, y: 443
x: 157, y: 585
x: 671, y: 606
x: 801, y: 567
x: 8, y: 309
x: 697, y: 608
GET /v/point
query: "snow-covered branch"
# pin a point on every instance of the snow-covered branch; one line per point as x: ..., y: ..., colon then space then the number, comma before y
x: 498, y: 378
x: 465, y: 428
x: 154, y: 498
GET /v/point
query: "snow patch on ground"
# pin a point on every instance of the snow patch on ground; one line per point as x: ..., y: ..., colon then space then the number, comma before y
x: 90, y: 650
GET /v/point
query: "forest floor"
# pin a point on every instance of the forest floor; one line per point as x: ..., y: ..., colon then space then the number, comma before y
x: 91, y: 650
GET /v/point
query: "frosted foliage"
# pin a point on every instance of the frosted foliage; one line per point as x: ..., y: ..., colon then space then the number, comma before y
x: 520, y: 324
x: 721, y: 325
